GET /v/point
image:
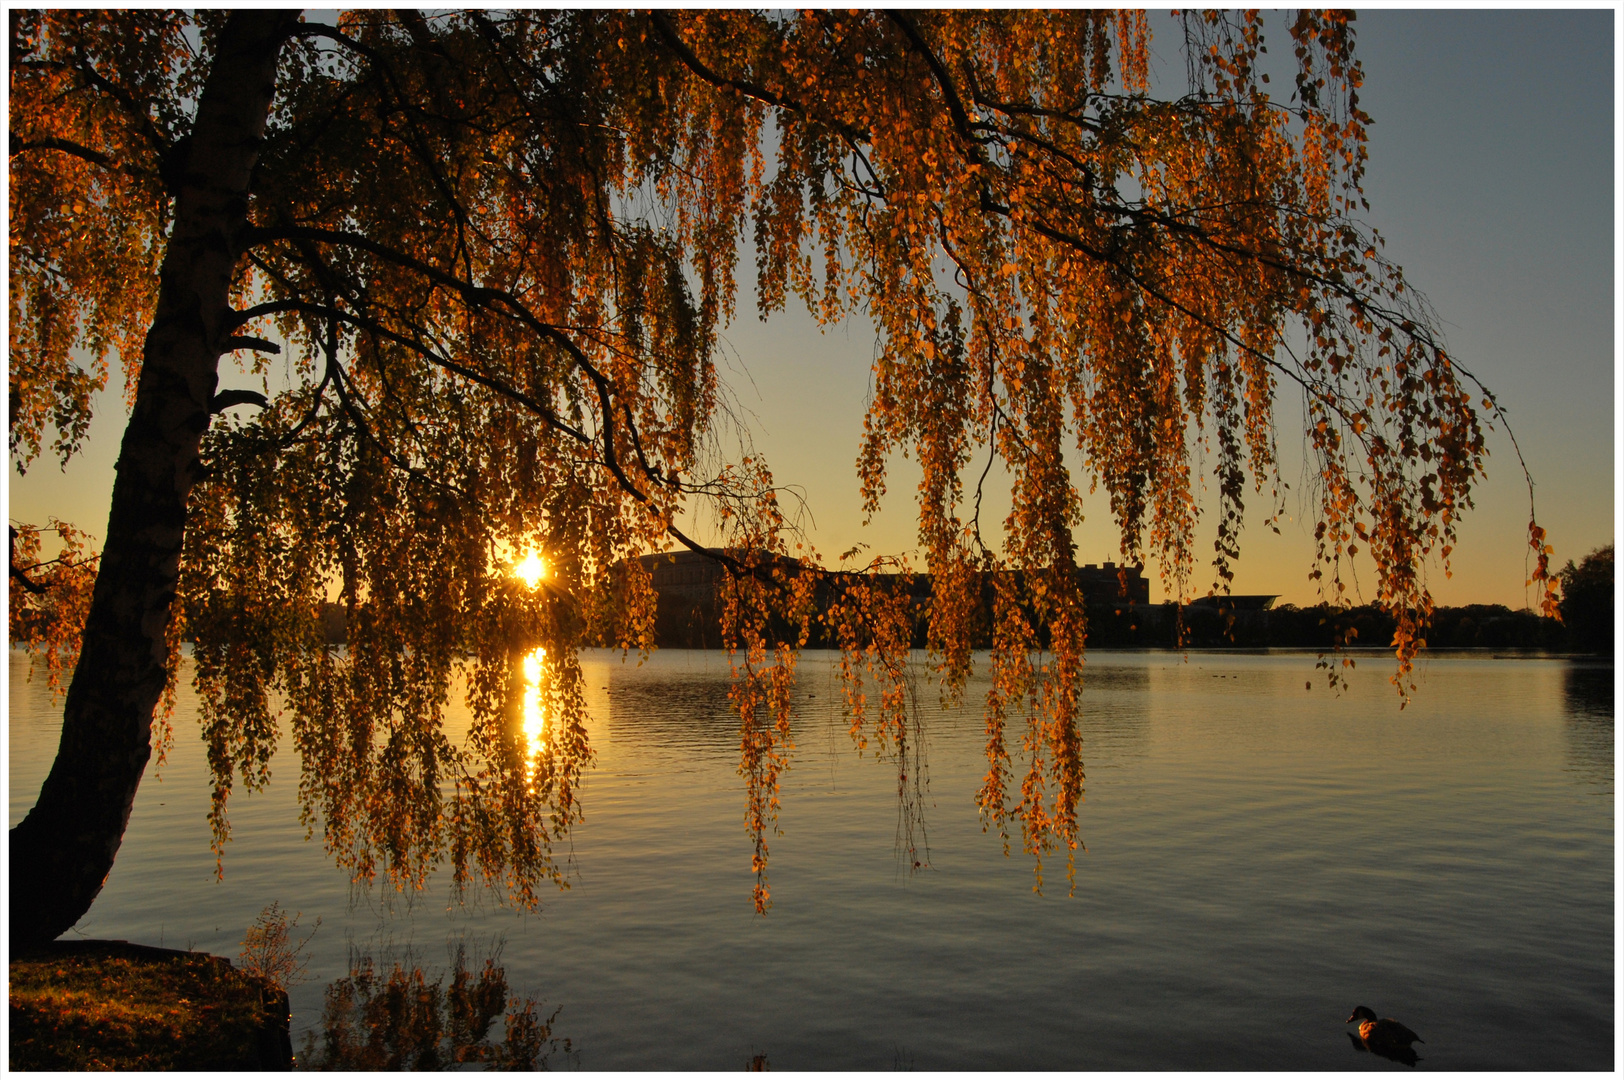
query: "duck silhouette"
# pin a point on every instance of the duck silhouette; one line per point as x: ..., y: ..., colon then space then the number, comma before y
x: 1385, y: 1037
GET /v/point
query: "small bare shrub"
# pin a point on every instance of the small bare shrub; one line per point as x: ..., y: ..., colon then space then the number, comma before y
x: 269, y: 949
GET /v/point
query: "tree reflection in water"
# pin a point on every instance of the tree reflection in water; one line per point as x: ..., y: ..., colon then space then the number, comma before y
x: 1587, y: 689
x: 400, y: 1020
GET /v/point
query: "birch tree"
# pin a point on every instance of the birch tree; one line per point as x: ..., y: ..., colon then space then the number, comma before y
x: 500, y: 248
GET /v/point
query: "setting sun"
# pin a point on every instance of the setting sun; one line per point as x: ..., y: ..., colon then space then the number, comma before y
x: 531, y: 570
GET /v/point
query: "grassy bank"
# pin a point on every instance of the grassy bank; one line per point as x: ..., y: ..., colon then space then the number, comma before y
x: 113, y: 1005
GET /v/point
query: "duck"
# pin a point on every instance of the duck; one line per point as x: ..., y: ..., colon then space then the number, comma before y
x: 1385, y: 1034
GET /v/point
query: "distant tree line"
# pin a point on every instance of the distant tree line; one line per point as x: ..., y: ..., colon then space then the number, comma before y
x: 689, y: 619
x: 1325, y: 626
x: 1586, y: 625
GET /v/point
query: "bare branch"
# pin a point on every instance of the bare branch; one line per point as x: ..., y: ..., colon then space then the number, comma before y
x: 225, y: 399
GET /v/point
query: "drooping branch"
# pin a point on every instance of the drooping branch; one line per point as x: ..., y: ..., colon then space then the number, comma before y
x: 379, y: 330
x: 256, y: 344
x: 479, y: 297
x: 78, y: 150
x: 547, y: 414
x: 944, y: 82
x: 18, y: 574
x: 673, y: 40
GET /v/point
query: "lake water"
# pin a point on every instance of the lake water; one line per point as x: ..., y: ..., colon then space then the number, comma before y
x: 1261, y: 858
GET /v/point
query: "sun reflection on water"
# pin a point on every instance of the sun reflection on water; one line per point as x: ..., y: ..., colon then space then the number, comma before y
x: 532, y: 715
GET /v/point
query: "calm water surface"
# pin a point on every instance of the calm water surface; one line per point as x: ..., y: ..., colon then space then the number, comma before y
x: 1261, y: 858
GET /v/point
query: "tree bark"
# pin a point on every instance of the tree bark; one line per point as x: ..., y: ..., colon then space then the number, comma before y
x: 63, y: 850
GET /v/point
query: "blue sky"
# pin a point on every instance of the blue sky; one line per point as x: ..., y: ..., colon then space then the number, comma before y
x: 1492, y: 177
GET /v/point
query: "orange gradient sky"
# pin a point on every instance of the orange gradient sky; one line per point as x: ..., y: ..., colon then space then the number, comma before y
x: 1492, y: 178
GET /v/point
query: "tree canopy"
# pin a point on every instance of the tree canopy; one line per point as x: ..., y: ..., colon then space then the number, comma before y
x: 500, y: 248
x: 1587, y: 601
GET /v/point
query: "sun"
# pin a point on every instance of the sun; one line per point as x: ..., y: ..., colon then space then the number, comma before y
x: 531, y: 570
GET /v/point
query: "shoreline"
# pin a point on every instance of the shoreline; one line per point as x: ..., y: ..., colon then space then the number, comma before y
x: 112, y: 1004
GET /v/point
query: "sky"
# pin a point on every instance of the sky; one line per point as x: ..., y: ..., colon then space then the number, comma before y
x: 1492, y: 177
